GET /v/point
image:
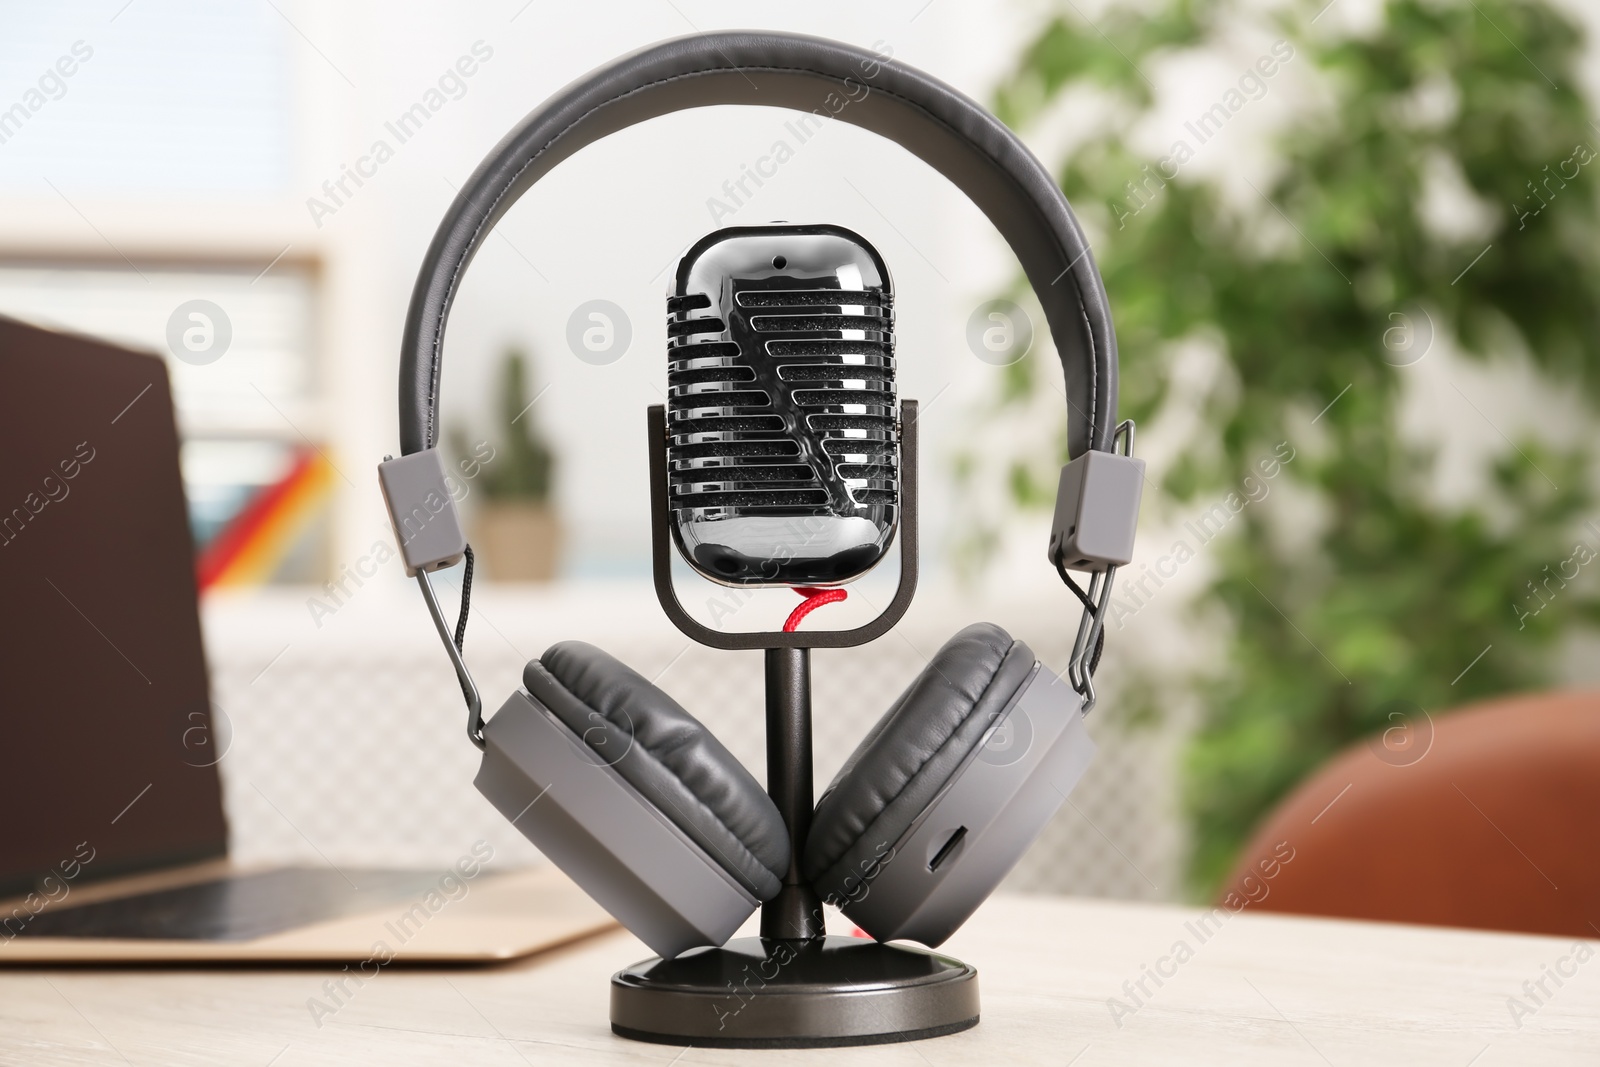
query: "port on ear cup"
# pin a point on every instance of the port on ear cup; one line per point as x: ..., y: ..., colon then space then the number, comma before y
x: 669, y: 757
x: 910, y: 756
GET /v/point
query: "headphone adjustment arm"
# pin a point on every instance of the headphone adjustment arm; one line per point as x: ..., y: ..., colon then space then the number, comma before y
x: 1097, y: 510
x: 427, y: 527
x: 469, y: 688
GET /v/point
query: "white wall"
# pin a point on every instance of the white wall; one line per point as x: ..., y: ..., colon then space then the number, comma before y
x: 144, y: 157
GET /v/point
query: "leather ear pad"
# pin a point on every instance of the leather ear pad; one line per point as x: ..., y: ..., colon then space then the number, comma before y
x: 664, y: 753
x: 911, y: 754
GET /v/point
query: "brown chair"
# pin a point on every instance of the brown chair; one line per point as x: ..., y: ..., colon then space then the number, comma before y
x: 1487, y: 817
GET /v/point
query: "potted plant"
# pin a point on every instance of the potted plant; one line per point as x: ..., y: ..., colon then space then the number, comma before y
x: 515, y: 530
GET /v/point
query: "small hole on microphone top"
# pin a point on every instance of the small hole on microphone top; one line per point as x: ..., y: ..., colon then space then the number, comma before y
x: 779, y: 262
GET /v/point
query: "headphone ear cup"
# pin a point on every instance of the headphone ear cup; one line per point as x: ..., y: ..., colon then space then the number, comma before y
x: 634, y: 799
x: 910, y: 754
x: 668, y: 756
x: 917, y: 828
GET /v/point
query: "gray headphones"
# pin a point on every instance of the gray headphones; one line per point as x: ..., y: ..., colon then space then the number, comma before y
x: 611, y: 778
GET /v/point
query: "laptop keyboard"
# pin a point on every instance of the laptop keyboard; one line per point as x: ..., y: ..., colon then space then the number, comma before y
x: 236, y: 908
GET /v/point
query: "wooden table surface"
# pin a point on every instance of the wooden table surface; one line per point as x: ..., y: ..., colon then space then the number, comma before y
x: 1247, y: 989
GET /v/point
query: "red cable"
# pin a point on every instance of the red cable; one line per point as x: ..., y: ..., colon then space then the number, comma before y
x: 815, y: 598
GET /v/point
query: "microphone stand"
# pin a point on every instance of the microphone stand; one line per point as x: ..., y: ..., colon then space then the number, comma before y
x: 793, y: 986
x: 795, y: 914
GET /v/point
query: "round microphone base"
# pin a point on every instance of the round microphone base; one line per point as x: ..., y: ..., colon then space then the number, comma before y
x: 763, y: 993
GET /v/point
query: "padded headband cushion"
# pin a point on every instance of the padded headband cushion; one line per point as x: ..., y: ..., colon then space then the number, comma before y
x: 911, y: 753
x: 945, y: 129
x: 664, y: 753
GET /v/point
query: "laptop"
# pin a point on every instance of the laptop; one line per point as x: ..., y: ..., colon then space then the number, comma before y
x: 114, y: 842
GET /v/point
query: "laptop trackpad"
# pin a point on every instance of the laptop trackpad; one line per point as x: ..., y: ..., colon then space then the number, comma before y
x: 236, y: 908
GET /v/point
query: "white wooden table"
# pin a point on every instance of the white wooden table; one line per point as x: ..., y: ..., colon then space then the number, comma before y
x: 1260, y: 989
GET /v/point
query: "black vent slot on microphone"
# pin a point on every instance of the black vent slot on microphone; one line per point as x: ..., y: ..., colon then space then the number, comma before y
x: 727, y: 424
x: 769, y: 499
x: 692, y: 302
x: 707, y: 449
x: 783, y: 298
x: 685, y: 327
x: 871, y: 423
x: 835, y: 372
x: 747, y: 473
x: 815, y: 323
x: 827, y: 398
x: 724, y: 400
x: 859, y: 446
x: 696, y: 375
x: 883, y: 349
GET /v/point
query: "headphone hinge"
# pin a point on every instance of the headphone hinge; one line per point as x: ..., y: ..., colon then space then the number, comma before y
x: 422, y: 510
x: 1097, y: 508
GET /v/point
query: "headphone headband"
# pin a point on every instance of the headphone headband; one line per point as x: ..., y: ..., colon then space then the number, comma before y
x: 945, y: 129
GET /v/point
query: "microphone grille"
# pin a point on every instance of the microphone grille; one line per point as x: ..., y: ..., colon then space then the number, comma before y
x: 781, y: 403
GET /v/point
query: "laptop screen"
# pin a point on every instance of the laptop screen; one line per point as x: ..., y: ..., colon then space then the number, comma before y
x: 107, y: 758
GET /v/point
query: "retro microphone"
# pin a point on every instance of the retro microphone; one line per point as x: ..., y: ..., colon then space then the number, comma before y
x: 782, y: 451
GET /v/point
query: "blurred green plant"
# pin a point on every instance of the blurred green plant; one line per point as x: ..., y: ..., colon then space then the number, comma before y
x: 1308, y: 283
x: 523, y: 465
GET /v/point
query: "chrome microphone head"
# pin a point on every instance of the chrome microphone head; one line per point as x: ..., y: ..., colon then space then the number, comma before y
x: 782, y: 454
